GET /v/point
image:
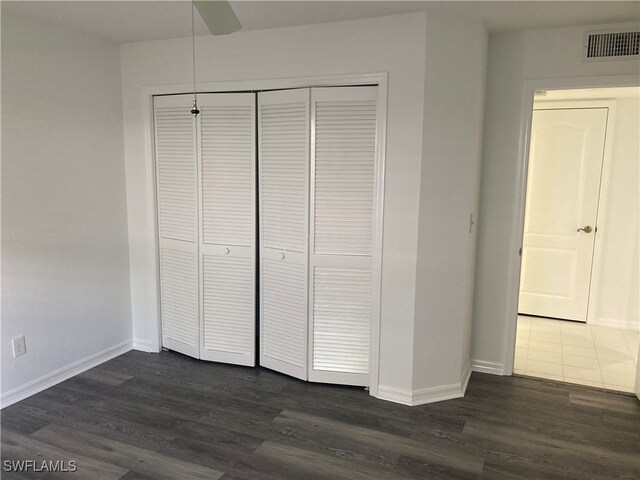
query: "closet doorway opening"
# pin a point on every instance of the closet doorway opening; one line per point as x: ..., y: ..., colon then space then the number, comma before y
x: 578, y: 309
x: 269, y: 228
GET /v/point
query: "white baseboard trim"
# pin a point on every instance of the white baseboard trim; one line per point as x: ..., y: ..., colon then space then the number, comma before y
x: 393, y: 394
x: 487, y: 367
x: 61, y: 374
x: 437, y: 394
x: 466, y: 375
x: 143, y: 345
x: 426, y: 395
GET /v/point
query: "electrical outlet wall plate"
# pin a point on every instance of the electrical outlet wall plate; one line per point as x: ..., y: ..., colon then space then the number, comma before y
x: 19, y: 346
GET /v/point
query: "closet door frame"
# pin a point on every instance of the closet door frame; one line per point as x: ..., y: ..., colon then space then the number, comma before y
x: 153, y: 342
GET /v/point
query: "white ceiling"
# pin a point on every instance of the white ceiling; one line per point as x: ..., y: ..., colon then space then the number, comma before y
x: 130, y: 21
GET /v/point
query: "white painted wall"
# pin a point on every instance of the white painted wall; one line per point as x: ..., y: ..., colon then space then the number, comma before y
x: 516, y: 58
x: 615, y: 293
x: 390, y: 44
x: 449, y: 191
x: 65, y: 270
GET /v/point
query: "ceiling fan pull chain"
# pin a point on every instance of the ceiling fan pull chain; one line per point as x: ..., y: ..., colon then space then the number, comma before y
x: 194, y: 109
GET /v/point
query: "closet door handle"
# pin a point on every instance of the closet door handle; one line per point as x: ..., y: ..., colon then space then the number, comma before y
x: 282, y: 256
x: 586, y: 229
x: 227, y: 251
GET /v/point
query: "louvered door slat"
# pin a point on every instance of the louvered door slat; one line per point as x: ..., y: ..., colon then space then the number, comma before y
x: 284, y: 212
x: 345, y: 132
x: 342, y: 225
x: 283, y: 312
x: 176, y: 189
x: 228, y: 307
x: 227, y: 244
x: 227, y: 150
x: 284, y: 132
x: 176, y: 169
x: 341, y: 319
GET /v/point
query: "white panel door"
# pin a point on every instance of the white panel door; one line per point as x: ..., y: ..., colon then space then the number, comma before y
x: 226, y: 140
x: 283, y: 151
x: 565, y: 165
x: 176, y: 190
x: 343, y: 219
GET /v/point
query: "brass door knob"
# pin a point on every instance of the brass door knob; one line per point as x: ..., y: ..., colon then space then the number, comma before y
x: 586, y: 229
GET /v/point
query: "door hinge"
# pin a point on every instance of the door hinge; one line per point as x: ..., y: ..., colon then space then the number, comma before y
x: 520, y: 251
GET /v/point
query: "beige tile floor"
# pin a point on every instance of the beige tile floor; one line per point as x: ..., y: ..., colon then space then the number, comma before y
x: 577, y: 353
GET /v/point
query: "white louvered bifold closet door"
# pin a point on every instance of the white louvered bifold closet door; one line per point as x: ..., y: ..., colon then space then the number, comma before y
x: 176, y: 190
x: 226, y: 138
x: 283, y: 151
x: 342, y: 226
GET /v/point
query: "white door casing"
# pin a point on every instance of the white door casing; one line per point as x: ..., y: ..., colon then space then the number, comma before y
x: 565, y: 167
x: 176, y: 196
x: 283, y: 139
x: 226, y: 162
x: 342, y: 231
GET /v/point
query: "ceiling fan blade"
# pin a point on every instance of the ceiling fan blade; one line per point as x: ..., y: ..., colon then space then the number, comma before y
x: 219, y: 16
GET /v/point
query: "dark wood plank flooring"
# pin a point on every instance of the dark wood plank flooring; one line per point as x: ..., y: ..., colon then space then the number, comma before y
x: 166, y: 416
